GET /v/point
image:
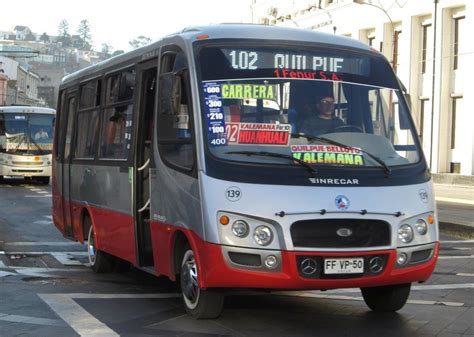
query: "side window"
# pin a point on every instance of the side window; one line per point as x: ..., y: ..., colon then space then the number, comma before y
x: 88, y: 120
x: 69, y: 117
x: 61, y: 114
x: 117, y: 116
x: 174, y: 125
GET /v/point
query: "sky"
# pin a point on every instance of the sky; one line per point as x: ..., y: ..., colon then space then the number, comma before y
x: 120, y: 21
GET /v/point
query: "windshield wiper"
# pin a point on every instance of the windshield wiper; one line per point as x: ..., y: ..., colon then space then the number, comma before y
x: 387, y: 169
x: 311, y: 170
x: 41, y: 151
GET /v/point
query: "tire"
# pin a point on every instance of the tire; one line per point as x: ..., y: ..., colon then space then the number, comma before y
x: 199, y: 303
x: 43, y: 180
x: 386, y: 298
x: 100, y: 261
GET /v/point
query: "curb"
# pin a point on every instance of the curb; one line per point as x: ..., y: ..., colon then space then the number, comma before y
x: 461, y: 231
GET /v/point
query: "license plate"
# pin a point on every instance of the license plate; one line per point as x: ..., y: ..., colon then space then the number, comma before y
x: 344, y: 266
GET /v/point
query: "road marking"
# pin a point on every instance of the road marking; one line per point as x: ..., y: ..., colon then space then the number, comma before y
x: 43, y: 222
x: 2, y: 252
x: 359, y: 298
x: 447, y: 257
x: 457, y: 241
x: 31, y: 320
x: 415, y: 287
x: 465, y: 274
x: 456, y: 201
x: 42, y: 243
x: 66, y: 259
x: 38, y: 196
x: 82, y: 321
x: 76, y: 317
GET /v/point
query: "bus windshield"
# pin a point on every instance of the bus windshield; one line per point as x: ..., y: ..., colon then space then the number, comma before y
x: 326, y: 107
x: 24, y: 133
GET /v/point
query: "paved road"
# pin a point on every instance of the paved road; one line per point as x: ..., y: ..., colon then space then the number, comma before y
x: 46, y: 289
x: 455, y: 204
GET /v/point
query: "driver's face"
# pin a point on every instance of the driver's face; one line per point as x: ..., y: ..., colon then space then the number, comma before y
x: 326, y: 106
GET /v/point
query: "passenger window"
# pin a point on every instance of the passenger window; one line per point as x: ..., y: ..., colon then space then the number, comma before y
x: 87, y: 125
x: 90, y: 94
x: 88, y: 120
x: 118, y: 116
x: 174, y: 119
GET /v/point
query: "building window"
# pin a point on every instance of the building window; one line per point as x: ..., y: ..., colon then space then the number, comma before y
x: 453, y: 120
x: 423, y: 106
x: 424, y: 47
x: 457, y: 24
x: 396, y: 38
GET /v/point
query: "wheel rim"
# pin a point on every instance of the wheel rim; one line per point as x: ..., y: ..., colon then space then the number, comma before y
x: 189, y: 280
x: 91, y: 252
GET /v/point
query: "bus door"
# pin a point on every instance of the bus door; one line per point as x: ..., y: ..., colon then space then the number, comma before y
x: 70, y: 113
x: 147, y: 81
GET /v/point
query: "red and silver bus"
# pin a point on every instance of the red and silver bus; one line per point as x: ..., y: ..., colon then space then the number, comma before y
x: 26, y: 142
x: 202, y: 158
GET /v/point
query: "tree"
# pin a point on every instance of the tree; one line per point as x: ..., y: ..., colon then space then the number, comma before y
x: 140, y: 41
x: 44, y: 37
x: 64, y: 36
x: 84, y: 31
x: 106, y: 48
x: 117, y: 52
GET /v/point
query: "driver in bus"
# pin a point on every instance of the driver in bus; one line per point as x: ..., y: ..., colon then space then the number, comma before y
x: 41, y: 134
x: 323, y: 120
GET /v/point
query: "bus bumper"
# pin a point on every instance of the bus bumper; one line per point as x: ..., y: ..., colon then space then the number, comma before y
x: 219, y: 271
x: 25, y: 171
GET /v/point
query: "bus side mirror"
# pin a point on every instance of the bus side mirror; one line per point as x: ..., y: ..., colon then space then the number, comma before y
x: 170, y: 93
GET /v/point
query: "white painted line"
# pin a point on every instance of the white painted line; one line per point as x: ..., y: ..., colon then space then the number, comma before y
x: 50, y: 217
x: 457, y: 241
x: 43, y: 253
x: 121, y: 296
x: 456, y: 201
x: 38, y: 196
x: 6, y: 273
x: 447, y: 257
x: 42, y: 243
x: 465, y: 274
x: 66, y: 259
x: 31, y: 320
x: 43, y: 222
x: 358, y: 298
x: 34, y: 189
x: 75, y: 316
x: 413, y: 287
x: 43, y: 192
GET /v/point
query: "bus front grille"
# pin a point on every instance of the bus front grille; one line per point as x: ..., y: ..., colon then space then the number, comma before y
x: 340, y: 233
x: 27, y: 163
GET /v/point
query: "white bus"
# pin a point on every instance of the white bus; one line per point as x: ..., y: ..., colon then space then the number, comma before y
x: 246, y: 156
x: 26, y: 142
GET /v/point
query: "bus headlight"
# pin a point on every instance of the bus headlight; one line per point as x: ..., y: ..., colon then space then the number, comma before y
x: 405, y: 233
x: 421, y: 227
x: 240, y: 228
x: 263, y: 235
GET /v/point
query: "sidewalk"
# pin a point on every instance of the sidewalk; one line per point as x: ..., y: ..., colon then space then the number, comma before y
x: 454, y: 196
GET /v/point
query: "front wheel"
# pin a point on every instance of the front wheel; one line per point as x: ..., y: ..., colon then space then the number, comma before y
x: 199, y: 303
x: 100, y: 262
x: 386, y: 298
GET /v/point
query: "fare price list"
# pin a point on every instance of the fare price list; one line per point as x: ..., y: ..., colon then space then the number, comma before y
x: 214, y: 114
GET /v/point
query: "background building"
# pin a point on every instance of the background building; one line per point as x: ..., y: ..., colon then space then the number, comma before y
x: 427, y: 43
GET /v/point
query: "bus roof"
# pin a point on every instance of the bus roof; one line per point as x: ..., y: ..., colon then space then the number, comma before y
x: 26, y: 109
x: 228, y: 31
